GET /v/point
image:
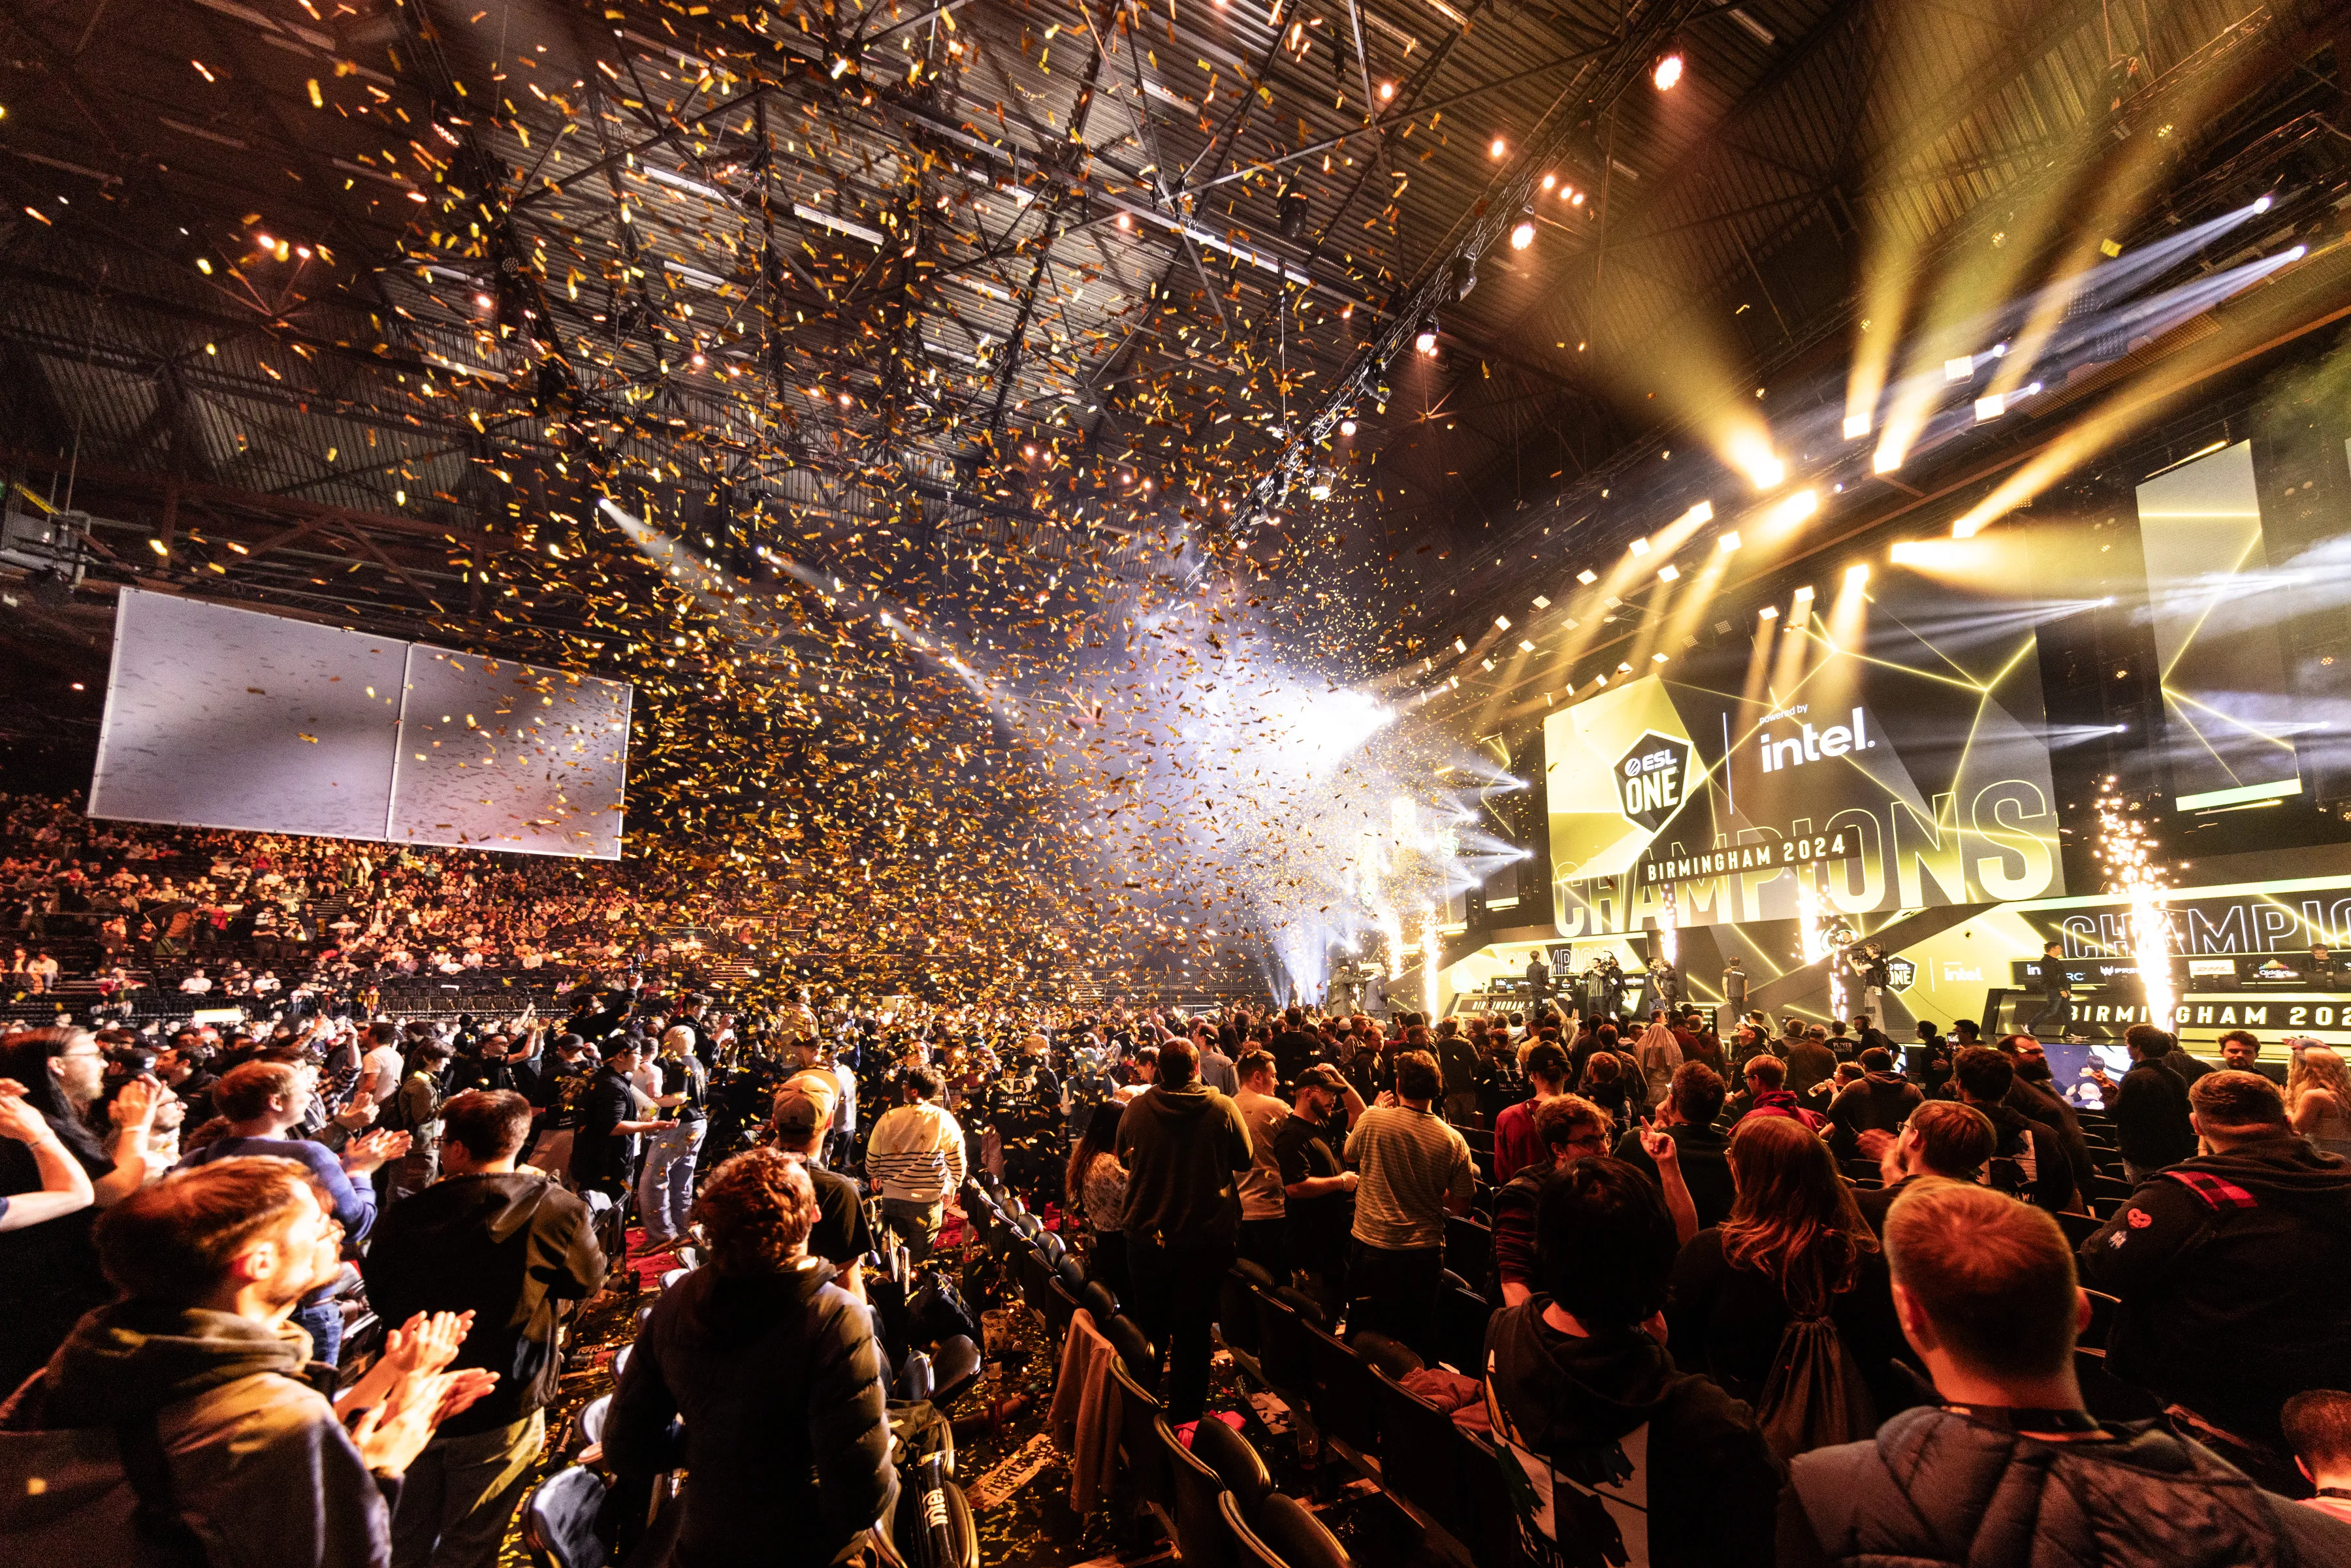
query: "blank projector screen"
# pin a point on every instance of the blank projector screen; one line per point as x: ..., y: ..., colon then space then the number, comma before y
x: 219, y: 717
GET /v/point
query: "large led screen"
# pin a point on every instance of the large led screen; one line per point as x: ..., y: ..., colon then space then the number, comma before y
x: 224, y: 718
x: 1879, y: 748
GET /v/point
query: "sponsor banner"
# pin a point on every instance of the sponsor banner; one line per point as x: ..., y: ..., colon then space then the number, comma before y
x: 1884, y: 753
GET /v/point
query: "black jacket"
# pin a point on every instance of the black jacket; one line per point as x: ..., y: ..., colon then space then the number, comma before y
x: 1704, y: 1156
x: 509, y: 1248
x: 1935, y: 1487
x: 1183, y: 1148
x: 2231, y: 1269
x: 2150, y: 1112
x: 1880, y: 1103
x: 1711, y: 1481
x: 786, y: 1432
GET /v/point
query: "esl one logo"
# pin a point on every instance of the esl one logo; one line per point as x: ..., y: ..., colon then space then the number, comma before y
x: 1649, y: 779
x: 1794, y: 751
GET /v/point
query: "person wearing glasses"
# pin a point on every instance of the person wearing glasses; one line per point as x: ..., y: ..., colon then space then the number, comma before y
x: 1572, y: 1128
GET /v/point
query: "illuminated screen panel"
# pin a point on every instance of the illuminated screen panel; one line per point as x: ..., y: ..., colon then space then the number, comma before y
x: 223, y: 717
x: 2216, y: 635
x: 230, y: 719
x: 1878, y: 750
x: 499, y: 755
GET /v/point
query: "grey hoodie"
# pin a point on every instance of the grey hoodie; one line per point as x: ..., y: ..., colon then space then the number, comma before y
x: 261, y: 1469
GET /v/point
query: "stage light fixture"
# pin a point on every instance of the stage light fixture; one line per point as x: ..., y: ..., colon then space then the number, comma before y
x: 1387, y: 91
x: 1488, y: 664
x: 1497, y: 149
x: 1667, y: 74
x: 1425, y: 340
x: 1503, y: 622
x: 1541, y: 602
x: 1346, y: 427
x: 1523, y: 234
x: 1549, y: 181
x: 1958, y: 369
x: 1702, y: 513
x: 1669, y: 573
x: 1659, y: 658
x: 1857, y: 574
x: 1525, y: 646
x: 1587, y: 577
x: 1769, y: 612
x: 1856, y: 426
x: 1461, y: 275
x: 1727, y: 543
x: 1804, y: 594
x: 1990, y: 406
x: 2262, y: 204
x: 2296, y: 254
x: 1460, y: 646
x: 1575, y: 199
x: 1640, y: 547
x: 1291, y: 209
x: 1886, y: 461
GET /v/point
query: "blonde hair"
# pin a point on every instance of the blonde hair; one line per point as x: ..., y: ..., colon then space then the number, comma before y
x: 2317, y: 1067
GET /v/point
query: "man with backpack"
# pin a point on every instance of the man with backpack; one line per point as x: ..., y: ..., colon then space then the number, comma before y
x: 2010, y: 1467
x: 1608, y: 1448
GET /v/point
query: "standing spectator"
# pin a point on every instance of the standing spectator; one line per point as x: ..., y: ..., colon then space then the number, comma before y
x: 1942, y: 1139
x: 1183, y: 1145
x: 1094, y: 1185
x: 1767, y: 1095
x: 2028, y: 1159
x: 775, y: 1370
x: 505, y: 1249
x: 1218, y: 1070
x: 1659, y: 1053
x: 417, y: 1108
x: 1880, y: 1103
x: 1516, y: 1146
x: 1575, y: 1372
x: 603, y: 1145
x: 1458, y: 1065
x: 2318, y: 1097
x: 1810, y: 1060
x: 2149, y: 1107
x: 665, y: 1187
x: 1293, y: 1049
x: 1316, y: 1189
x: 1572, y: 1128
x: 191, y: 1365
x: 379, y: 1064
x: 1929, y: 1063
x: 796, y: 1126
x: 1702, y: 1153
x: 916, y: 1153
x: 2011, y: 1468
x: 1414, y: 1170
x: 49, y: 1273
x: 65, y: 1186
x: 2230, y: 1266
x: 1265, y: 1229
x: 1794, y: 1246
x: 261, y: 1101
x: 2033, y: 1095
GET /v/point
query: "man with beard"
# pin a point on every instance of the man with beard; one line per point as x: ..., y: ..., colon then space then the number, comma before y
x: 1316, y: 1188
x: 2034, y: 1096
x: 2029, y: 1157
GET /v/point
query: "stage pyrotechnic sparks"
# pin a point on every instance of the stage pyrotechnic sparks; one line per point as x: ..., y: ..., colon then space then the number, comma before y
x: 1429, y: 953
x: 2131, y: 870
x: 1819, y: 943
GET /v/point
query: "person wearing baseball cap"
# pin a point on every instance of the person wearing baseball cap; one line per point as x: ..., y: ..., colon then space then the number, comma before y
x: 1316, y: 1186
x: 796, y: 1126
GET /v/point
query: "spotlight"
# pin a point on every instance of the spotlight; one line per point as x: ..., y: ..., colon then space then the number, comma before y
x: 2296, y: 254
x: 1461, y: 275
x: 1030, y: 452
x: 1346, y: 427
x: 1387, y: 91
x: 1659, y: 658
x: 1503, y: 622
x: 1886, y: 461
x: 1292, y: 210
x: 1426, y: 339
x: 1125, y: 221
x: 1640, y: 547
x: 1497, y: 149
x: 1460, y: 646
x: 1769, y: 612
x: 1856, y: 426
x: 1727, y: 543
x: 1804, y: 594
x: 2262, y: 205
x: 484, y: 300
x: 1523, y: 234
x: 1857, y: 574
x: 1587, y: 577
x: 1549, y: 181
x: 1525, y: 646
x: 1768, y: 473
x: 1575, y: 199
x: 1990, y: 406
x: 1669, y: 573
x: 1959, y: 369
x: 1667, y: 74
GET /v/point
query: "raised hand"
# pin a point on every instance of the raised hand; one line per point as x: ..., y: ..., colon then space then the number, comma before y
x: 1658, y: 1144
x: 134, y: 1106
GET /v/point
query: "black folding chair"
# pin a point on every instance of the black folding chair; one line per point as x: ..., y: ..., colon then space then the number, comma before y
x: 1239, y: 1469
x: 1284, y: 1534
x: 559, y: 1519
x: 1341, y: 1396
x: 1417, y: 1454
x: 1470, y: 1250
x: 1203, y: 1539
x: 1141, y: 1464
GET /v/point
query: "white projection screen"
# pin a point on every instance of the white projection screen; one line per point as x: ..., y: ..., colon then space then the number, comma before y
x: 223, y: 717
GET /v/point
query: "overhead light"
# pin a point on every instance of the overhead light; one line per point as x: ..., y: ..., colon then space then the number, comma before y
x: 1425, y: 340
x: 1804, y: 594
x: 1460, y: 646
x: 1989, y: 406
x: 1886, y: 461
x: 1541, y: 602
x: 1769, y: 612
x: 1727, y: 543
x: 1525, y: 646
x: 1387, y: 91
x: 1523, y: 234
x: 1702, y: 513
x: 1587, y: 577
x: 1857, y: 574
x: 1754, y: 29
x: 1497, y: 149
x: 1488, y: 663
x: 2262, y: 204
x: 1659, y: 658
x: 1856, y: 426
x: 1667, y: 74
x: 1346, y: 427
x: 1461, y: 275
x: 1575, y: 198
x: 1291, y: 208
x: 1549, y: 181
x: 1959, y: 369
x: 1669, y: 572
x: 1640, y: 547
x: 1503, y: 622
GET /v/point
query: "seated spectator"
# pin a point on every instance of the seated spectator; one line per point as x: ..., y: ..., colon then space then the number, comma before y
x: 259, y: 1102
x: 1942, y: 1138
x: 1794, y: 1246
x: 1880, y: 1103
x: 2011, y: 1469
x: 65, y: 1186
x: 1688, y: 1118
x: 1416, y: 1169
x: 2230, y: 1267
x: 2029, y: 1160
x: 2317, y: 1424
x: 505, y: 1249
x: 1515, y: 1143
x: 1768, y: 1096
x: 1623, y: 1455
x: 775, y: 1372
x: 196, y: 1365
x: 2149, y: 1106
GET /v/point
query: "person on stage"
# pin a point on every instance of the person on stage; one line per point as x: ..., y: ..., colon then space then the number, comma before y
x: 1537, y: 982
x: 1734, y: 986
x: 2057, y: 995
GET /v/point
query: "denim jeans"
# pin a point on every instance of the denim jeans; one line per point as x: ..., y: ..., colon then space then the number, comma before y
x: 325, y: 1322
x: 915, y: 1224
x: 665, y: 1185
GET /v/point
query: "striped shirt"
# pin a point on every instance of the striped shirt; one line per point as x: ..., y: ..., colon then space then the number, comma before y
x: 1411, y: 1163
x: 916, y: 1153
